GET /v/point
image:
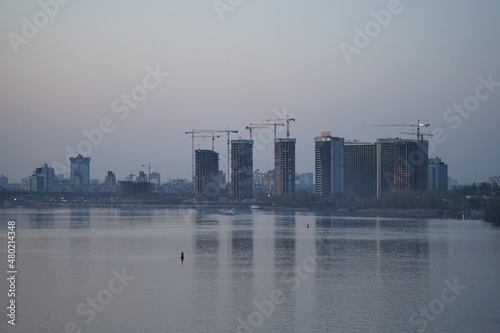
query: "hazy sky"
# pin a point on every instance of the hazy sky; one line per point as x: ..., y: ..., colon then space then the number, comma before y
x: 232, y: 64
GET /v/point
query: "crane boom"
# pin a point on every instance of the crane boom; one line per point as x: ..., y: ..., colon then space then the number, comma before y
x: 418, y: 125
x: 252, y: 126
x: 287, y: 120
x: 193, y: 136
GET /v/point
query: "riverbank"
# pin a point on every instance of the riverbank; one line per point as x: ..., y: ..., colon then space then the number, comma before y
x: 248, y: 208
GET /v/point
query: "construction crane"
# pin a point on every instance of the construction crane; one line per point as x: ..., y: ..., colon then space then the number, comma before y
x: 417, y: 125
x: 229, y: 153
x: 149, y: 165
x: 213, y: 136
x: 198, y: 131
x: 287, y: 120
x: 413, y: 133
x: 253, y: 126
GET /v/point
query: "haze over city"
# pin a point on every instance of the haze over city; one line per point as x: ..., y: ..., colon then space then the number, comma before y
x: 204, y: 65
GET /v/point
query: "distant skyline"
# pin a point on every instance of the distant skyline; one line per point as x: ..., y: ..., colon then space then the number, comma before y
x: 130, y: 78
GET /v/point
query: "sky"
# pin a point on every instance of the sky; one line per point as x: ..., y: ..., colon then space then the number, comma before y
x: 122, y: 81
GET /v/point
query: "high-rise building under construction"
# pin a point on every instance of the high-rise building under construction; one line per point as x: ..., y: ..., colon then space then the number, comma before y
x: 360, y: 168
x: 402, y: 165
x: 284, y: 164
x: 329, y: 165
x: 206, y: 184
x: 242, y: 169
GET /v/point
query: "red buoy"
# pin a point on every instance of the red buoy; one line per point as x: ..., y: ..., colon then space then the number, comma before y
x: 308, y: 226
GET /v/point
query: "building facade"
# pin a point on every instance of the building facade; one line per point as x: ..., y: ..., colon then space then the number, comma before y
x: 438, y: 174
x: 110, y: 178
x: 42, y: 179
x: 284, y: 166
x: 402, y: 165
x: 80, y: 170
x: 328, y: 165
x: 360, y: 168
x: 155, y: 178
x: 242, y: 169
x: 206, y: 184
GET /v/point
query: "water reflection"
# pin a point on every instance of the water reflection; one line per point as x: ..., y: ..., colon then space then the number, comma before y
x: 359, y: 264
x: 136, y: 215
x: 79, y: 218
x: 284, y: 271
x: 329, y: 240
x: 43, y: 219
x: 206, y: 265
x: 241, y: 267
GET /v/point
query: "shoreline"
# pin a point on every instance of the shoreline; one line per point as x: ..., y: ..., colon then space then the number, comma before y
x: 369, y: 212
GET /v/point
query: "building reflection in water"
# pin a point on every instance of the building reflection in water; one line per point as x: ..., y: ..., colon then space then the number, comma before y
x: 206, y: 263
x: 41, y: 219
x: 359, y: 262
x: 241, y: 267
x: 79, y: 218
x: 284, y: 270
x: 134, y: 216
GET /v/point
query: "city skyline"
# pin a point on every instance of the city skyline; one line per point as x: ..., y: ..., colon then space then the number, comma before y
x: 129, y: 78
x: 144, y: 168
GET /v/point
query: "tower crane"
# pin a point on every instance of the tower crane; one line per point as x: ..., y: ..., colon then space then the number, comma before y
x: 417, y: 125
x: 421, y: 134
x: 199, y: 131
x: 228, y: 131
x: 253, y: 126
x: 213, y: 136
x: 149, y: 165
x: 287, y: 120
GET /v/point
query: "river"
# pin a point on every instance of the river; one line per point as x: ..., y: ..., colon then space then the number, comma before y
x: 119, y: 270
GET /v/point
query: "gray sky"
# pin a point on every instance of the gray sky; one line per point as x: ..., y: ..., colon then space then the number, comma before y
x: 233, y: 64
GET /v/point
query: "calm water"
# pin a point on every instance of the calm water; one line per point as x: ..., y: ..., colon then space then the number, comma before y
x: 258, y: 271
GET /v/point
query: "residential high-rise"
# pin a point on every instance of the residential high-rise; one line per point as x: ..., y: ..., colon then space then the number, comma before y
x: 80, y: 170
x: 360, y: 168
x: 155, y: 178
x: 284, y: 165
x: 242, y: 169
x: 438, y: 174
x: 42, y: 179
x: 402, y: 165
x: 142, y: 177
x: 329, y: 165
x: 110, y: 178
x: 206, y: 184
